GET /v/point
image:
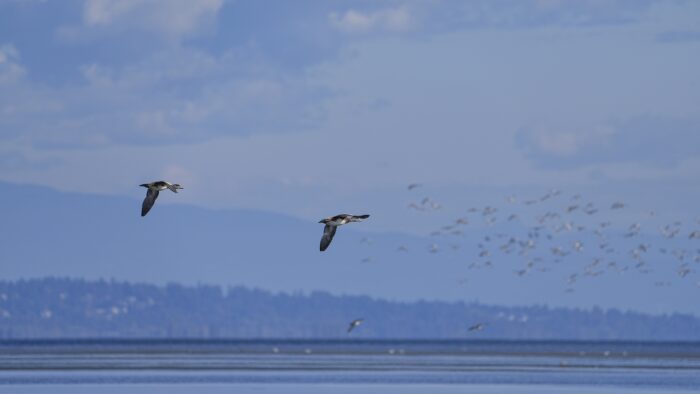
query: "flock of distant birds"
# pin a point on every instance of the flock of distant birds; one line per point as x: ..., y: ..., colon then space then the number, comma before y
x: 558, y: 235
x: 549, y: 228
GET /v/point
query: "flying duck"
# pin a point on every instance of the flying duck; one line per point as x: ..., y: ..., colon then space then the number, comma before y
x: 154, y: 189
x: 477, y: 327
x: 354, y: 324
x: 332, y: 224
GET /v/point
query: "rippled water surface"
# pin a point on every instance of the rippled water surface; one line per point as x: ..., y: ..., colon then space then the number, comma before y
x: 285, y: 366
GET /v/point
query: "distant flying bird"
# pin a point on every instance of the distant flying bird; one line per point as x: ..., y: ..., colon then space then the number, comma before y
x: 683, y: 271
x: 520, y: 273
x: 332, y: 224
x: 617, y: 205
x: 354, y: 324
x: 435, y: 205
x: 633, y: 230
x: 477, y: 327
x: 413, y: 186
x: 427, y: 202
x: 154, y: 189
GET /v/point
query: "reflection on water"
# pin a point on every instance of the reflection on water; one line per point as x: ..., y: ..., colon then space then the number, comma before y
x: 375, y: 366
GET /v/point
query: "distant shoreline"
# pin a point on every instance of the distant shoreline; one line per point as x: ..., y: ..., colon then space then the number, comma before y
x: 54, y: 309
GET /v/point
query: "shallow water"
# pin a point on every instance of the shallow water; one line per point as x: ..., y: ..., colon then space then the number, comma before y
x: 269, y: 366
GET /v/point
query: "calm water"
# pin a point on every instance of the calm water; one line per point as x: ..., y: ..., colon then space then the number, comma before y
x: 348, y: 366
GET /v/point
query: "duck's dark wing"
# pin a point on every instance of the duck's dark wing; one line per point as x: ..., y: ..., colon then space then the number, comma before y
x: 354, y: 324
x: 328, y: 233
x: 148, y: 202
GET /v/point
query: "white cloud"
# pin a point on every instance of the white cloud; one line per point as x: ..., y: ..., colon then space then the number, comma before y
x: 154, y: 122
x: 392, y: 20
x: 173, y: 18
x: 10, y: 69
x: 351, y: 21
x: 567, y: 141
x: 560, y: 144
x: 173, y: 96
x: 103, y: 12
x: 179, y: 174
x: 96, y: 75
x: 653, y: 141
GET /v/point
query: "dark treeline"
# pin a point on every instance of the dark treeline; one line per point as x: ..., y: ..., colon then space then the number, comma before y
x: 69, y: 308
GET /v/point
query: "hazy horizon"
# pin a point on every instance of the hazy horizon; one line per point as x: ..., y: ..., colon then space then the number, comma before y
x: 84, y: 236
x: 531, y: 119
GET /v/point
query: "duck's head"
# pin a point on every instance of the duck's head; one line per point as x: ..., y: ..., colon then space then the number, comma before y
x: 144, y: 185
x: 177, y: 186
x: 324, y: 221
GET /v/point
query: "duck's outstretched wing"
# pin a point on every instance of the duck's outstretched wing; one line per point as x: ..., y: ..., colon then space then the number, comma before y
x: 354, y: 324
x: 148, y: 202
x: 328, y: 234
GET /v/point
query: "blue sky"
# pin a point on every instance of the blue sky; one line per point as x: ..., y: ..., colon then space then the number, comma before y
x: 316, y: 107
x: 326, y: 102
x: 317, y: 99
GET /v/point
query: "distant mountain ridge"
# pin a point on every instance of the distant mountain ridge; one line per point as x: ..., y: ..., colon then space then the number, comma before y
x: 45, y: 232
x: 69, y: 308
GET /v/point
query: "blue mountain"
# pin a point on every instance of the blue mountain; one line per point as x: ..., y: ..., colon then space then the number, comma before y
x: 47, y: 232
x: 44, y: 232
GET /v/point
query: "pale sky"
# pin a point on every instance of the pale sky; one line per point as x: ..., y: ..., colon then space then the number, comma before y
x: 309, y: 106
x: 312, y: 108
